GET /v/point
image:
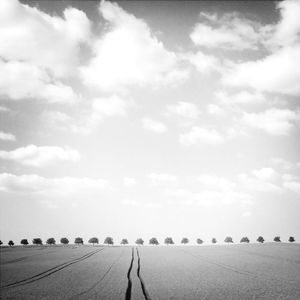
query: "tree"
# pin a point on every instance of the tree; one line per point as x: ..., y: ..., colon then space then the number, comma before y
x: 199, y: 241
x: 109, y: 240
x: 277, y: 239
x: 51, y: 241
x: 37, y: 241
x: 169, y: 241
x: 214, y: 240
x: 184, y: 241
x: 153, y: 241
x: 1, y: 242
x: 260, y: 239
x: 11, y: 243
x: 228, y: 239
x: 139, y: 241
x: 64, y: 241
x: 24, y: 242
x: 124, y: 242
x: 245, y: 240
x: 78, y: 241
x: 94, y: 240
x: 291, y: 239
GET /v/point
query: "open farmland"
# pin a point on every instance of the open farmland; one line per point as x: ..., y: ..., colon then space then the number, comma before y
x: 254, y: 271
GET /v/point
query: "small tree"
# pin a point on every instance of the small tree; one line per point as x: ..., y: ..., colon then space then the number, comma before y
x: 245, y: 240
x: 64, y: 241
x: 169, y: 241
x: 37, y: 241
x: 124, y: 242
x: 153, y: 241
x: 93, y: 241
x: 109, y: 241
x: 1, y: 243
x: 51, y: 241
x: 78, y: 241
x: 24, y: 242
x: 291, y: 239
x: 277, y: 239
x: 139, y: 241
x: 228, y: 239
x: 260, y: 239
x: 184, y: 241
x: 199, y: 241
x: 214, y: 240
x: 11, y: 243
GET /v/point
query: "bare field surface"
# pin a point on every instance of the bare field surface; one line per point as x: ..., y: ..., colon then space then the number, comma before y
x: 254, y: 271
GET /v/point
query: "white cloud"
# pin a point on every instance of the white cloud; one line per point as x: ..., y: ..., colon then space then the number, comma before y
x: 128, y: 54
x: 243, y: 97
x: 7, y: 136
x: 216, y: 183
x: 247, y: 214
x: 32, y: 155
x: 184, y: 109
x: 161, y: 177
x: 134, y: 203
x: 153, y: 125
x: 201, y: 135
x: 268, y: 174
x: 274, y: 121
x: 4, y: 109
x: 32, y: 183
x: 227, y: 32
x: 291, y: 182
x: 39, y: 84
x: 204, y: 63
x: 285, y: 164
x: 216, y: 110
x: 129, y: 181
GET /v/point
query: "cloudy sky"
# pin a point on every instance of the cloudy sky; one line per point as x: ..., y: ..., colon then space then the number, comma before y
x: 139, y: 119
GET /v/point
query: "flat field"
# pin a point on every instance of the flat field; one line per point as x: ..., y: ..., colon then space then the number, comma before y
x: 253, y: 271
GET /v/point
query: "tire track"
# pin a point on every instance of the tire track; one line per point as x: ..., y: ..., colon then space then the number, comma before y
x: 143, y: 285
x: 99, y: 281
x: 129, y: 284
x: 50, y: 271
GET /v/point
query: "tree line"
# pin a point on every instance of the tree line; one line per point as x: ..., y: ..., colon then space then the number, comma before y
x: 139, y: 241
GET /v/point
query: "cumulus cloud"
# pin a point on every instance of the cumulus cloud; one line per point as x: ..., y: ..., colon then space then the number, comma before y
x: 154, y: 125
x: 32, y: 183
x: 274, y: 121
x: 128, y: 54
x: 161, y: 178
x: 216, y: 110
x: 36, y: 156
x: 230, y: 31
x: 204, y: 63
x: 243, y: 97
x: 201, y: 135
x: 129, y: 181
x: 216, y: 182
x: 7, y: 136
x: 267, y: 174
x: 291, y: 182
x: 184, y: 109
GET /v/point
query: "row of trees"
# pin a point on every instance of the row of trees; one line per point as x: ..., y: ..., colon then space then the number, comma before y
x: 139, y: 241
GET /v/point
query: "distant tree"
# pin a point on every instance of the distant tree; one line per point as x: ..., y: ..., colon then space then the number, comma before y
x: 93, y: 241
x: 37, y: 241
x: 1, y: 243
x: 11, y: 243
x: 214, y: 240
x: 109, y: 241
x: 153, y: 241
x: 51, y: 241
x: 184, y: 241
x: 199, y: 241
x: 24, y: 242
x: 260, y: 239
x: 64, y: 241
x: 124, y: 242
x: 244, y: 240
x: 169, y: 241
x: 277, y: 239
x: 228, y: 239
x: 78, y: 241
x: 291, y: 239
x: 139, y: 241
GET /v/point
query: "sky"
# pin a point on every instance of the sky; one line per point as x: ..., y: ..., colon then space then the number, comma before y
x: 138, y: 119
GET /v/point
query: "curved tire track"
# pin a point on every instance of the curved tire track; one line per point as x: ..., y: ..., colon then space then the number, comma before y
x: 129, y: 284
x: 50, y: 271
x: 143, y: 285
